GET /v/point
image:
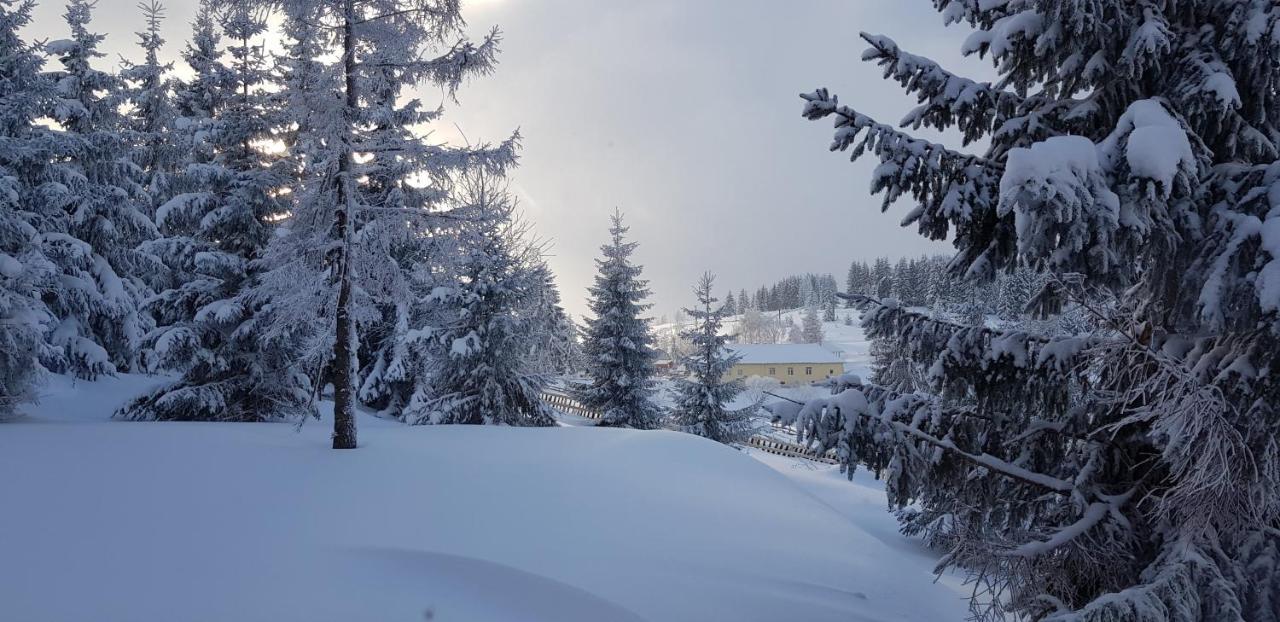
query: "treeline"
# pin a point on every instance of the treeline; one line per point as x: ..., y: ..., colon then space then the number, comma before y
x: 926, y: 282
x: 922, y: 282
x: 268, y: 226
x: 788, y: 293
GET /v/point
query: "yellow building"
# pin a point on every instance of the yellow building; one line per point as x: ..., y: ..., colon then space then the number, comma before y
x: 788, y: 363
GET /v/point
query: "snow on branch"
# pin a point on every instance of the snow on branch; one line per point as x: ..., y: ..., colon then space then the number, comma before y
x: 1090, y: 518
x: 1244, y: 225
x: 978, y: 345
x: 901, y: 414
x: 951, y: 188
x: 880, y: 137
x: 463, y: 60
x: 976, y: 108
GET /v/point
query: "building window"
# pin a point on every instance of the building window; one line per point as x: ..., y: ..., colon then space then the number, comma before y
x: 808, y: 371
x: 773, y: 371
x: 791, y: 371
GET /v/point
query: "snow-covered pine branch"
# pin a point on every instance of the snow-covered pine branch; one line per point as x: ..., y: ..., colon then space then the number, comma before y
x: 946, y: 100
x: 952, y: 189
x: 1138, y: 166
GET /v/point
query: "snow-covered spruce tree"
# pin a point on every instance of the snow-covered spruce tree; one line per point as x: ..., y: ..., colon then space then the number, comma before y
x: 827, y: 289
x: 399, y: 355
x: 882, y: 278
x: 700, y: 400
x: 197, y: 99
x: 331, y: 269
x: 1016, y: 290
x: 1132, y: 473
x: 811, y: 326
x: 730, y: 305
x: 486, y: 373
x: 617, y: 342
x: 25, y: 160
x: 858, y: 279
x: 215, y: 231
x: 152, y: 114
x: 191, y: 134
x: 100, y: 323
x: 553, y: 346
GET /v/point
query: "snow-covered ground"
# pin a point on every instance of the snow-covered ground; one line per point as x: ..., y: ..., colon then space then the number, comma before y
x: 145, y: 522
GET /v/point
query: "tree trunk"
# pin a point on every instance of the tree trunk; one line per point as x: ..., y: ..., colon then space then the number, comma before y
x: 344, y: 420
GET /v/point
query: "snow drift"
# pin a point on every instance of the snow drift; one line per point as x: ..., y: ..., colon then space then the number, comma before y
x: 109, y: 520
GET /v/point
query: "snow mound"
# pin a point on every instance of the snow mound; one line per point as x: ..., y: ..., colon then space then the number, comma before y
x: 223, y: 521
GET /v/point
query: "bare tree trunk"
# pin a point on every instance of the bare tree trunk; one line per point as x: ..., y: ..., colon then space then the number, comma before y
x: 344, y: 363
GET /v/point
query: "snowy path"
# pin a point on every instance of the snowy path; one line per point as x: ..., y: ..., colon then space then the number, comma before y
x: 188, y: 521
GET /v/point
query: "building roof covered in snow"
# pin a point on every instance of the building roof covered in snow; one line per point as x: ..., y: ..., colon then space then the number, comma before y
x: 757, y: 353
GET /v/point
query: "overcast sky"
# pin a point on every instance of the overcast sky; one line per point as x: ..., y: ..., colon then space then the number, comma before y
x: 684, y: 114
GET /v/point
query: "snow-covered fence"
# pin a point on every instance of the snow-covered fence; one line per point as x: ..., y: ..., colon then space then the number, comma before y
x: 783, y: 448
x: 564, y: 403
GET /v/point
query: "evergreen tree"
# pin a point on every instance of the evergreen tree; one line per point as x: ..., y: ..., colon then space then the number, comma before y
x: 700, y: 399
x: 902, y: 285
x: 730, y: 306
x: 911, y: 283
x: 397, y: 359
x: 1016, y: 290
x: 811, y: 331
x: 943, y: 291
x: 152, y: 115
x: 553, y: 337
x: 486, y: 376
x: 215, y: 234
x: 827, y: 288
x: 100, y: 324
x: 1130, y: 473
x: 745, y: 302
x: 882, y: 278
x: 25, y: 167
x: 618, y: 343
x: 857, y: 280
x: 336, y: 262
x: 851, y: 280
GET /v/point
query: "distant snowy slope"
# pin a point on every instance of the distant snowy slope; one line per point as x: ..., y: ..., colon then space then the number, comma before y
x: 152, y: 522
x: 846, y: 340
